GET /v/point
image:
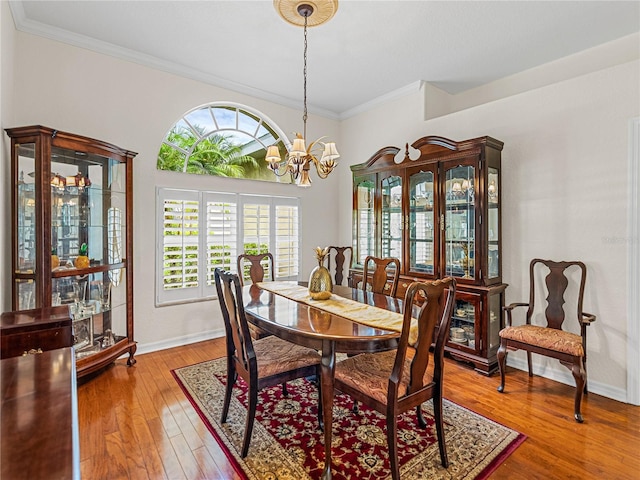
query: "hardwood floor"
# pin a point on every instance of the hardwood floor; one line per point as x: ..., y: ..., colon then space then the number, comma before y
x: 135, y: 423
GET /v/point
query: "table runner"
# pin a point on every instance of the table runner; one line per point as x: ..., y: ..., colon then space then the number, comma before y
x: 345, y: 307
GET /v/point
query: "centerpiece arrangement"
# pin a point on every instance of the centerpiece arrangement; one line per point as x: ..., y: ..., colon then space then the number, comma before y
x: 320, y: 284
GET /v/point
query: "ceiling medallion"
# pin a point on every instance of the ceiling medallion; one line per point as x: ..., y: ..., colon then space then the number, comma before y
x: 321, y: 11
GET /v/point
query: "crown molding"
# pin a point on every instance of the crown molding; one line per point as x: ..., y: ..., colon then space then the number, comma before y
x: 26, y: 25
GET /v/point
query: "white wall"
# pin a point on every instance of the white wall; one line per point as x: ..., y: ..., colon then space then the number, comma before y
x: 76, y: 90
x: 7, y: 37
x: 565, y: 192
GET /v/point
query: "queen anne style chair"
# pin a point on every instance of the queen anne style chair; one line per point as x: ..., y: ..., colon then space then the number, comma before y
x: 339, y: 258
x: 380, y: 275
x: 256, y: 270
x: 256, y: 274
x: 261, y: 363
x: 551, y: 340
x: 395, y: 381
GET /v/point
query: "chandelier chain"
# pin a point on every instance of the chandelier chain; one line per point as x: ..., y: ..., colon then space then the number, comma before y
x: 304, y: 116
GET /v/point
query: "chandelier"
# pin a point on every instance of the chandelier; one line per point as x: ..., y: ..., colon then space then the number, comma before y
x: 300, y: 157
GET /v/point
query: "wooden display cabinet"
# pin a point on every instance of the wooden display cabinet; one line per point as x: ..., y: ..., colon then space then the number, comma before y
x: 70, y: 194
x: 440, y: 215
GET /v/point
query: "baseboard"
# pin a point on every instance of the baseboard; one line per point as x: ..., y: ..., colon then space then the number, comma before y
x: 179, y: 341
x: 563, y: 375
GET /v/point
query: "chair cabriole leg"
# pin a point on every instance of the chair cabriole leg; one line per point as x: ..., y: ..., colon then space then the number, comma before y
x: 437, y: 414
x: 502, y: 357
x: 579, y: 374
x: 231, y: 380
x: 392, y: 443
x: 251, y: 415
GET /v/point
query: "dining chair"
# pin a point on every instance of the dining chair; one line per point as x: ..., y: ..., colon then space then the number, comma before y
x: 262, y: 363
x: 395, y: 381
x: 257, y: 264
x: 552, y: 340
x: 383, y: 269
x: 340, y: 255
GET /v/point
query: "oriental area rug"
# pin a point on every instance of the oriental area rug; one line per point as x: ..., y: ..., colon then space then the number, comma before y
x: 288, y: 444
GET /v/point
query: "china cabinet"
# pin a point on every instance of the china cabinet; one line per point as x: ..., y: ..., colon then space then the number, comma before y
x: 440, y: 215
x: 72, y: 238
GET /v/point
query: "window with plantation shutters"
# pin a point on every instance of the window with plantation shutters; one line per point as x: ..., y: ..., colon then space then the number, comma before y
x: 201, y: 231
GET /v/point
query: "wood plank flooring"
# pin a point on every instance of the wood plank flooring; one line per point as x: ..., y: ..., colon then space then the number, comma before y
x: 135, y: 423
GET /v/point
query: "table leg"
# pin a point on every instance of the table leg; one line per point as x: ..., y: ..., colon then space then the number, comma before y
x: 327, y: 377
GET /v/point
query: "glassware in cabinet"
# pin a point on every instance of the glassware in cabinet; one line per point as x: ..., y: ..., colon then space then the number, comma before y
x: 392, y: 216
x: 422, y: 222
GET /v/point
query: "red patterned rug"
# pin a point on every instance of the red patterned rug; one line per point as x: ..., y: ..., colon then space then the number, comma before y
x: 287, y: 443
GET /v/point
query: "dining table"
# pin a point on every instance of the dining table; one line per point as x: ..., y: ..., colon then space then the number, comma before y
x: 312, y: 323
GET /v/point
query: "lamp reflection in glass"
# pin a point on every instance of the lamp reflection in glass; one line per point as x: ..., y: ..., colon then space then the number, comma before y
x: 79, y: 181
x: 299, y: 159
x: 58, y: 181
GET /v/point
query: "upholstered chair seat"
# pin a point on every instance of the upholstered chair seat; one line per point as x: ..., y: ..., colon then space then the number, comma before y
x: 547, y: 338
x: 370, y: 372
x: 275, y: 356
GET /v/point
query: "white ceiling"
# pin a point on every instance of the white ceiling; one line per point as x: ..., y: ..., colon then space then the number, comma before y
x: 368, y: 50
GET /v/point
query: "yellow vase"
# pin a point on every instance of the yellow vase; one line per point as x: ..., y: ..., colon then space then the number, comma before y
x: 320, y: 283
x: 55, y: 261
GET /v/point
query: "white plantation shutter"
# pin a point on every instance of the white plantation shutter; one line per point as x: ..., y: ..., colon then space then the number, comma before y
x: 222, y: 234
x: 256, y: 214
x: 199, y: 231
x: 287, y: 247
x: 180, y: 253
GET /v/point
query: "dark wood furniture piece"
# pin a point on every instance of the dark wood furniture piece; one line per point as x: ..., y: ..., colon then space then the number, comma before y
x: 550, y: 339
x: 39, y: 433
x: 308, y: 326
x: 71, y: 191
x: 36, y: 330
x: 384, y: 276
x: 263, y: 363
x: 439, y: 214
x: 339, y: 255
x: 393, y: 382
x: 257, y: 267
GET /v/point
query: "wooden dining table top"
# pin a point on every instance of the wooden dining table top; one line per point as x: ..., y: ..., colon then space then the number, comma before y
x: 310, y: 325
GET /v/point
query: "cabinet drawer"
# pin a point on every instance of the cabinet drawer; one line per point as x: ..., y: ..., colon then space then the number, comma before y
x: 49, y: 339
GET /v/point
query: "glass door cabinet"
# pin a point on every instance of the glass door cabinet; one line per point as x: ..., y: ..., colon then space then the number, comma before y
x: 440, y: 215
x: 72, y: 237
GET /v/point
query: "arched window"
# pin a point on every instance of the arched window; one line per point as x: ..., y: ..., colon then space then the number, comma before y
x: 222, y: 139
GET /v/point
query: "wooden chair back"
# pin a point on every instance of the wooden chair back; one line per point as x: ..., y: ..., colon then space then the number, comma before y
x: 239, y: 343
x: 340, y: 258
x: 258, y: 264
x: 555, y: 292
x: 383, y: 268
x: 431, y: 304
